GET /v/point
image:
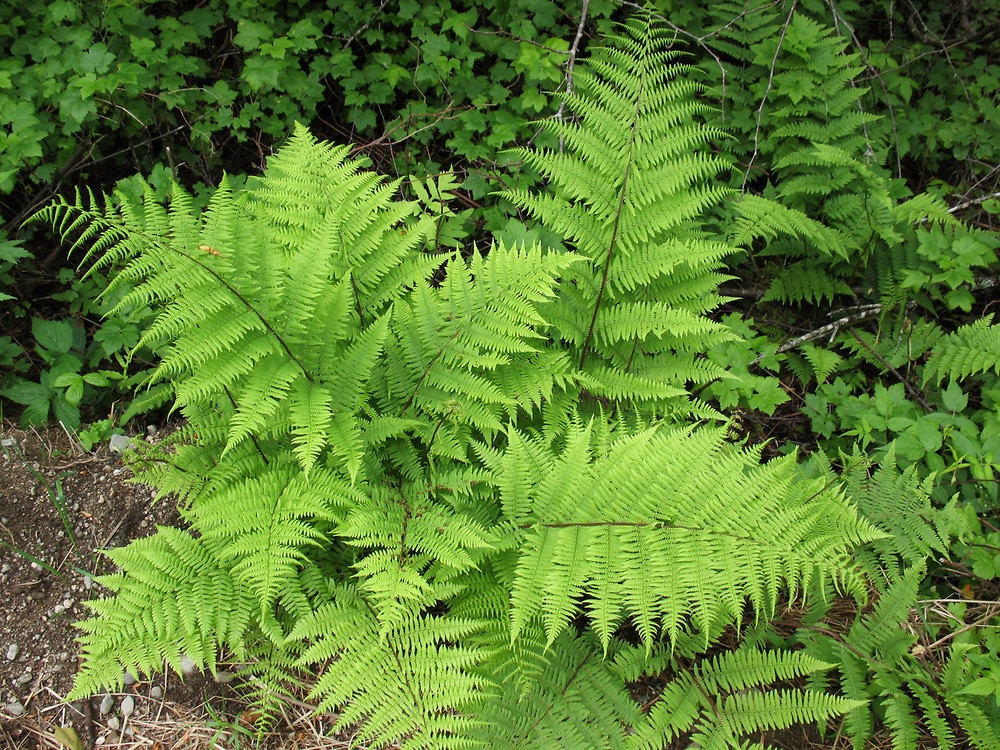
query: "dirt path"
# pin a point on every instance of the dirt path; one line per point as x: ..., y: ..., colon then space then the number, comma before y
x: 59, y: 507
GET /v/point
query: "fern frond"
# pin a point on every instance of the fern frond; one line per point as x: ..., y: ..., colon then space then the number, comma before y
x: 264, y: 525
x: 724, y: 699
x: 899, y: 502
x: 174, y: 600
x: 413, y: 682
x: 634, y: 174
x: 805, y: 281
x: 678, y: 522
x: 568, y: 695
x: 762, y: 217
x: 972, y: 349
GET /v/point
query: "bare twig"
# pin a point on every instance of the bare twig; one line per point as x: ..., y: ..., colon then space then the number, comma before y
x: 573, y: 50
x: 831, y: 329
x: 767, y: 92
x: 361, y: 29
x: 973, y: 202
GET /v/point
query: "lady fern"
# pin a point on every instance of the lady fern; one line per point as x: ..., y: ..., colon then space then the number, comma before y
x: 624, y: 192
x: 449, y: 487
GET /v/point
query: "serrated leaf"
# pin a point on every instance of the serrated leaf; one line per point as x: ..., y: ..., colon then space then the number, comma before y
x: 55, y: 336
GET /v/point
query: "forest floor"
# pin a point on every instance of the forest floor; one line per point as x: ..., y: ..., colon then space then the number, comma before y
x: 60, y: 506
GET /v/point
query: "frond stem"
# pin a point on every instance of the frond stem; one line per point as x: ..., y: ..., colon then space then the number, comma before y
x: 611, y: 245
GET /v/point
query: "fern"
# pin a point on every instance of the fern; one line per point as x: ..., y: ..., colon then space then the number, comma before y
x: 451, y: 492
x: 624, y: 195
x: 972, y: 349
x: 644, y: 554
x: 743, y: 699
x: 879, y: 658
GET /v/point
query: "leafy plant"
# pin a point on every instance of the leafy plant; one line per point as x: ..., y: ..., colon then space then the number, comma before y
x: 464, y: 491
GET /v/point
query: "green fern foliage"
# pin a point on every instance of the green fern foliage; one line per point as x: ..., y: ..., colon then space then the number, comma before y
x: 625, y: 190
x: 632, y: 532
x: 972, y: 349
x: 744, y: 698
x: 881, y: 660
x: 450, y: 492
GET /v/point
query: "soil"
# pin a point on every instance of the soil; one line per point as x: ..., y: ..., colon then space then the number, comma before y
x: 60, y: 506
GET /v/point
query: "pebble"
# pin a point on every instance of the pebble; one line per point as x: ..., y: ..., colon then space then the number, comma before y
x: 35, y: 566
x: 107, y: 704
x: 128, y: 679
x: 128, y: 706
x: 8, y: 442
x: 88, y: 582
x: 223, y: 677
x: 5, y: 568
x: 156, y: 692
x: 15, y: 708
x: 120, y: 443
x: 187, y: 665
x: 12, y: 651
x: 113, y: 723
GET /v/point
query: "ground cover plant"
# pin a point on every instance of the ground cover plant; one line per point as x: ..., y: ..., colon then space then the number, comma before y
x: 521, y: 479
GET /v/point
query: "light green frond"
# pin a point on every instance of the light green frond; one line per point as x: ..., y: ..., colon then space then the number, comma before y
x: 263, y: 526
x: 697, y: 529
x: 726, y: 699
x: 763, y: 217
x: 573, y: 699
x: 632, y: 175
x: 173, y: 600
x: 415, y: 681
x: 972, y: 349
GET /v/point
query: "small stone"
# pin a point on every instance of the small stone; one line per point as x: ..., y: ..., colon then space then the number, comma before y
x: 156, y: 692
x: 151, y: 429
x: 59, y: 609
x: 8, y: 442
x: 113, y: 723
x: 15, y: 708
x: 107, y: 703
x: 187, y: 665
x: 120, y: 443
x: 5, y: 568
x: 36, y: 567
x: 128, y: 679
x: 128, y: 706
x: 223, y: 677
x: 12, y: 651
x: 88, y: 582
